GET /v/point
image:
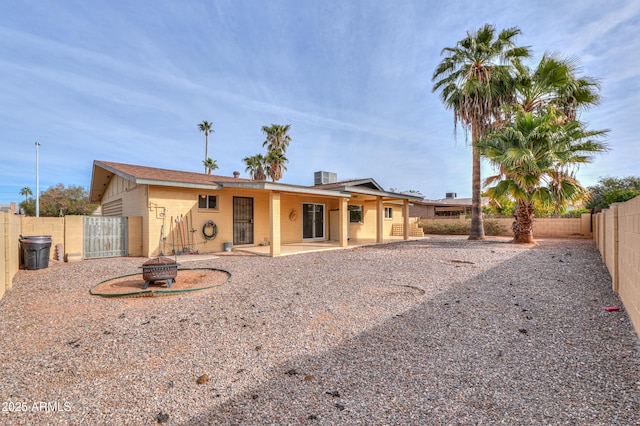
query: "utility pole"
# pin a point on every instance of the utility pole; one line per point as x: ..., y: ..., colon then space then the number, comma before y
x: 37, y: 180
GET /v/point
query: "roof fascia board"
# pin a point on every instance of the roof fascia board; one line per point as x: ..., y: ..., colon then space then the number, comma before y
x: 214, y: 186
x: 142, y: 181
x: 286, y: 188
x: 114, y: 171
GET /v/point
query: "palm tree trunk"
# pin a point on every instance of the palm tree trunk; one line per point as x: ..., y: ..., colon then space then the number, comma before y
x: 206, y: 150
x: 523, y: 223
x: 477, y: 228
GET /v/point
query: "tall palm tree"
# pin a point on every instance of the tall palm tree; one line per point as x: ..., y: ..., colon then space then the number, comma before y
x: 255, y: 167
x: 474, y: 80
x: 26, y: 191
x: 277, y: 138
x: 527, y: 153
x: 277, y: 141
x: 276, y: 164
x: 210, y: 165
x: 206, y: 127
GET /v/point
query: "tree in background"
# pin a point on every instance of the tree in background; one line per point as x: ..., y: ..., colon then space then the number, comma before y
x: 206, y: 127
x: 210, y: 165
x: 611, y: 190
x: 475, y: 79
x: 277, y: 137
x: 59, y: 200
x: 275, y: 161
x: 256, y: 167
x: 277, y: 141
x: 26, y: 191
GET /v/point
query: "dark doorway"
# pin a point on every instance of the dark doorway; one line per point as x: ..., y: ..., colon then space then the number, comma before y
x: 242, y: 220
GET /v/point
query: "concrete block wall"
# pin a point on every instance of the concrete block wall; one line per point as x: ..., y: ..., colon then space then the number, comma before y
x: 542, y: 227
x: 53, y: 226
x: 618, y: 240
x: 67, y: 231
x: 9, y: 249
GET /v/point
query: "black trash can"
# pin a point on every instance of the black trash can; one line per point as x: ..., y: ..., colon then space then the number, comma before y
x: 35, y: 251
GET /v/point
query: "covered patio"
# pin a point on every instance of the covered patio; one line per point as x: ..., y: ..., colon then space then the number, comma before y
x: 315, y: 246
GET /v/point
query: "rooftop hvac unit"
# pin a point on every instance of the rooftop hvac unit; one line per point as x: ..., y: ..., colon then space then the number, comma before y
x: 321, y: 178
x: 450, y: 195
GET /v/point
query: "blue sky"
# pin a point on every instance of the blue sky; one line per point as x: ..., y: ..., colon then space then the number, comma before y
x: 128, y: 81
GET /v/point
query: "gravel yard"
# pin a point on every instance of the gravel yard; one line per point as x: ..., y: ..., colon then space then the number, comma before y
x: 436, y: 331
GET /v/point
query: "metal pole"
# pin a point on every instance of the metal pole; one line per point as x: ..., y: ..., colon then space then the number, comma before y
x: 37, y: 181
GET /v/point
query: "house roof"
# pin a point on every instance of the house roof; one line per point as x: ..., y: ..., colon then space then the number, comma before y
x: 366, y: 186
x: 452, y: 202
x: 103, y: 171
x: 369, y: 183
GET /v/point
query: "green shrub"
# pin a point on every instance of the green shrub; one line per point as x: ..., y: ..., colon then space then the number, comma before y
x: 453, y: 228
x: 576, y: 213
x: 491, y: 227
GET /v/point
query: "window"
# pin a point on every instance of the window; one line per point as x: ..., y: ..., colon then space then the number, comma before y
x: 355, y: 214
x: 207, y: 201
x: 388, y: 212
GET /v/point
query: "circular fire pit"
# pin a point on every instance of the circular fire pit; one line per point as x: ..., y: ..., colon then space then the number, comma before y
x: 189, y: 280
x: 159, y: 269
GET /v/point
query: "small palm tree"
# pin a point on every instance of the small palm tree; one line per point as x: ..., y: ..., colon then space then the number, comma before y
x: 277, y: 137
x: 209, y: 165
x: 255, y: 167
x: 475, y: 80
x: 528, y: 153
x: 555, y: 84
x: 276, y: 164
x: 206, y: 127
x: 26, y: 191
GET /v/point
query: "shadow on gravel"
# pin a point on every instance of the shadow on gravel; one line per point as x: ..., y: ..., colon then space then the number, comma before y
x: 503, y: 347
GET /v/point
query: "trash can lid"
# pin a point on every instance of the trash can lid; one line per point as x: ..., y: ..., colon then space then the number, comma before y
x: 35, y: 241
x: 36, y: 237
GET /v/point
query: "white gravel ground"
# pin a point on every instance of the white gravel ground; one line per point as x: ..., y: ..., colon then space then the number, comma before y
x: 437, y: 331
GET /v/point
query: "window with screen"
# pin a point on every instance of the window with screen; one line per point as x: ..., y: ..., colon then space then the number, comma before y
x: 207, y: 202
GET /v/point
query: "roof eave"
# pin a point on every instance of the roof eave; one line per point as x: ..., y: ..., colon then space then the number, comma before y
x: 286, y: 188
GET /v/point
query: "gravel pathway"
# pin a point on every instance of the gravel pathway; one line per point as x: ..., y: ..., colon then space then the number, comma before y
x: 438, y: 331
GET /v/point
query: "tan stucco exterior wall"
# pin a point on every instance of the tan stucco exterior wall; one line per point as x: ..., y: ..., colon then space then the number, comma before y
x: 180, y: 202
x: 134, y: 203
x: 134, y: 234
x: 367, y: 229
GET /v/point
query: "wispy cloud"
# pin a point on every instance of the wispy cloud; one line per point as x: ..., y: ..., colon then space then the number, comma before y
x: 129, y: 81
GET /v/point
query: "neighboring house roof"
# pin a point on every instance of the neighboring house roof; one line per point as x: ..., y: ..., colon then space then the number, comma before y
x: 369, y: 183
x: 453, y: 202
x: 103, y: 171
x: 366, y: 186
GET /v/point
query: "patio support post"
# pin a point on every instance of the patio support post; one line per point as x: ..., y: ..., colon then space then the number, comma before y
x: 379, y: 221
x: 344, y: 222
x: 274, y: 219
x: 405, y: 218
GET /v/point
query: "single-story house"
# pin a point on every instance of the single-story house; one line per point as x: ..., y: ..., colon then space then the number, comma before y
x: 224, y: 210
x: 450, y: 206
